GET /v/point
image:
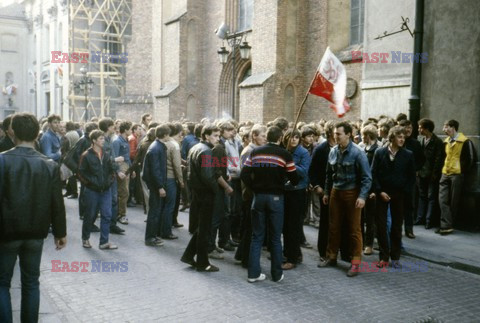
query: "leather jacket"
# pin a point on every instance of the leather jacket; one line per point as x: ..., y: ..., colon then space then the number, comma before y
x: 96, y: 174
x: 201, y: 175
x: 31, y: 196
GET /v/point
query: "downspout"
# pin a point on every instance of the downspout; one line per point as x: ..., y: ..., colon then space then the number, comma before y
x: 414, y: 99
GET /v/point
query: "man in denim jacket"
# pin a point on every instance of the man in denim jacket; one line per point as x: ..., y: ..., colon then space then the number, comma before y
x: 50, y: 141
x: 346, y: 188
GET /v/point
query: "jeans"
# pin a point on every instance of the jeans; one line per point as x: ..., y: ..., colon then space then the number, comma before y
x: 97, y: 201
x: 267, y: 210
x: 30, y: 254
x: 219, y: 204
x: 156, y: 205
x: 166, y: 219
x: 114, y: 193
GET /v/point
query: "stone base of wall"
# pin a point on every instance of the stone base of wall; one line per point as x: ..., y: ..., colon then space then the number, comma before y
x: 132, y: 108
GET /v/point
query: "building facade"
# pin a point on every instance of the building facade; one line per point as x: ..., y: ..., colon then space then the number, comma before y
x: 174, y: 71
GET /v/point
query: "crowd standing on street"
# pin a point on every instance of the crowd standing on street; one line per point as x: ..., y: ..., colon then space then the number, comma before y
x: 245, y: 186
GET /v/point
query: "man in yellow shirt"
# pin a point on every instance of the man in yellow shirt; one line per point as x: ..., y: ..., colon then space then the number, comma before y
x: 460, y: 157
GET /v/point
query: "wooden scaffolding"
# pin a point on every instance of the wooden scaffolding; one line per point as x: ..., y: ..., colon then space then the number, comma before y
x: 101, y: 28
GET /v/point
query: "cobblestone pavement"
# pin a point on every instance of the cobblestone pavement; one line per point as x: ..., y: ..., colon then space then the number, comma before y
x: 158, y: 287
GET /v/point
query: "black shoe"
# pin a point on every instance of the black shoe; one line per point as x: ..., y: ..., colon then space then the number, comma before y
x: 73, y: 196
x: 116, y: 230
x: 209, y: 268
x: 95, y: 228
x: 66, y: 194
x: 428, y: 226
x: 327, y: 263
x: 170, y: 237
x: 190, y: 262
x: 228, y: 247
x: 177, y: 225
x: 438, y: 231
x: 353, y: 271
x: 183, y: 208
x: 410, y: 235
x: 419, y: 222
x: 233, y: 243
x: 131, y: 204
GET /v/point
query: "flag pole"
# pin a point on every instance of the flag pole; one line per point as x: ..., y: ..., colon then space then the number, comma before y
x: 301, y: 108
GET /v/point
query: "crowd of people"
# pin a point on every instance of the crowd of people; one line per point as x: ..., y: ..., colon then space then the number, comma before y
x: 245, y: 185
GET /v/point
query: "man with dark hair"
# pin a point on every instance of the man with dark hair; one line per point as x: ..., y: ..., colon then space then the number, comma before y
x: 414, y: 146
x: 459, y: 161
x: 155, y: 176
x: 50, y: 141
x: 108, y: 127
x: 146, y: 119
x: 203, y: 182
x: 429, y: 175
x: 133, y: 141
x: 96, y: 171
x: 121, y: 148
x: 26, y: 220
x: 7, y: 142
x: 347, y: 184
x: 281, y: 123
x: 393, y: 172
x: 265, y: 173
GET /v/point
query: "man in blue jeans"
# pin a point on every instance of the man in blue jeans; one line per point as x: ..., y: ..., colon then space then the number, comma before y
x: 264, y: 173
x: 27, y: 213
x: 96, y: 171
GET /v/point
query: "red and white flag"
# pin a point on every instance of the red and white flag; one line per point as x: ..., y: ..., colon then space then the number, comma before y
x: 330, y: 82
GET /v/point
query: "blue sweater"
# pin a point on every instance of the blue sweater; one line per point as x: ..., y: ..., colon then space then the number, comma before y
x: 50, y: 145
x: 302, y: 159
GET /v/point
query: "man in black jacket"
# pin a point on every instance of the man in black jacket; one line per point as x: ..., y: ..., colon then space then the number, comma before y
x: 414, y: 146
x: 203, y: 182
x: 26, y: 215
x: 429, y: 174
x: 155, y: 176
x: 96, y: 171
x: 7, y: 142
x: 393, y: 172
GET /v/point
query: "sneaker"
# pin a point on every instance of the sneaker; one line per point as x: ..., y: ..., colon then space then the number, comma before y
x: 123, y: 220
x: 95, y: 228
x: 108, y: 246
x: 215, y: 255
x: 209, y: 268
x: 353, y: 271
x: 258, y: 279
x: 368, y: 251
x: 86, y: 244
x: 279, y: 280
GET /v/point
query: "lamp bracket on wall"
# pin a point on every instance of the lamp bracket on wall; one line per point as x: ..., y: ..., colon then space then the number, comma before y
x: 403, y: 27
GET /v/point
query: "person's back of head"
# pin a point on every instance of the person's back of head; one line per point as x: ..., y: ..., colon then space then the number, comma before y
x: 25, y: 126
x: 274, y: 134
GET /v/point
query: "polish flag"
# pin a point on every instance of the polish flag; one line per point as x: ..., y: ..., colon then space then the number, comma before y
x: 330, y: 82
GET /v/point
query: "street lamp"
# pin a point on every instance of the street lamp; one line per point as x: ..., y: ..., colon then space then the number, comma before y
x: 235, y: 41
x: 86, y: 85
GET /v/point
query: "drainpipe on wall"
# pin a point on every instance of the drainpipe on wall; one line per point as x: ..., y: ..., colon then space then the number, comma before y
x: 414, y: 99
